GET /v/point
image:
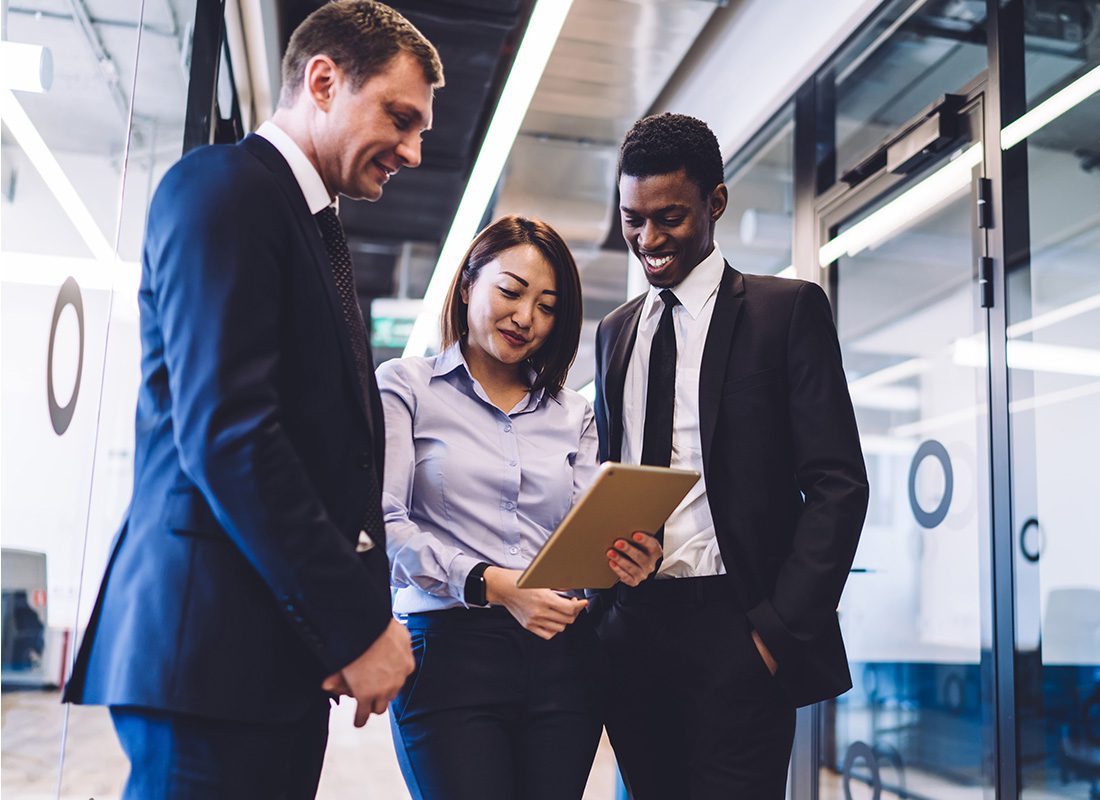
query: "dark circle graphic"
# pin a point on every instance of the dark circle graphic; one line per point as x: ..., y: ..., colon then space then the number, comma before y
x: 931, y: 449
x: 69, y: 295
x: 1032, y: 555
x: 861, y: 751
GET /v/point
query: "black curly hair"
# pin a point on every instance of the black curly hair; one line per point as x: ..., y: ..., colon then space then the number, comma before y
x: 664, y: 143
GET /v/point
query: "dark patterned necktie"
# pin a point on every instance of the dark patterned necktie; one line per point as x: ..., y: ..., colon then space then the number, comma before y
x: 339, y: 258
x: 660, y: 398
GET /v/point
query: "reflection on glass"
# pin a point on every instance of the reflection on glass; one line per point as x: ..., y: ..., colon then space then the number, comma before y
x: 915, y: 53
x: 1054, y: 388
x: 917, y: 722
x: 755, y: 232
x: 71, y: 239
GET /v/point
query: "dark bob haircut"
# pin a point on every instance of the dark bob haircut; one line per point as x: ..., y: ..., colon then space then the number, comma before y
x: 550, y: 362
x: 664, y: 143
x: 361, y: 37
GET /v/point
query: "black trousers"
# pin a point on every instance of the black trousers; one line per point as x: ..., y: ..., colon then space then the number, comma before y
x: 180, y: 757
x: 693, y: 711
x: 493, y: 712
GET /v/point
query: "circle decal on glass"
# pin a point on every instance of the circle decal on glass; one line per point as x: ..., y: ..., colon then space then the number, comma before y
x: 932, y: 518
x: 1032, y: 549
x: 857, y: 752
x: 62, y: 415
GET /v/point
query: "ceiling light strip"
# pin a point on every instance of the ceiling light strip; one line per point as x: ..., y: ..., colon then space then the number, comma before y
x: 29, y: 139
x: 905, y: 208
x: 1054, y: 316
x: 1051, y: 108
x: 538, y: 42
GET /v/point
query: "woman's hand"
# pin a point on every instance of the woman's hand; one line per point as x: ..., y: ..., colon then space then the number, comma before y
x: 634, y: 559
x: 544, y: 612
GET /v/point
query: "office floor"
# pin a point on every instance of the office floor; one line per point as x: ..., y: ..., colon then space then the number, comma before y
x: 359, y: 763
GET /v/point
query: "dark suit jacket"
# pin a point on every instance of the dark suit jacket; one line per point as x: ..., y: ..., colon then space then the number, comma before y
x: 234, y: 586
x: 783, y: 466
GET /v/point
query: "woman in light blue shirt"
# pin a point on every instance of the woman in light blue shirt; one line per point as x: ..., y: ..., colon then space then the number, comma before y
x: 486, y: 451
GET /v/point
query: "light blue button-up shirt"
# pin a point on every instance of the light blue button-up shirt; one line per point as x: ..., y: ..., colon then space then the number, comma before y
x: 466, y: 482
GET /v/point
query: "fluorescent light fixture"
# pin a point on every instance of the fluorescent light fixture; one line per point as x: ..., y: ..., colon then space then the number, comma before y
x: 1031, y: 356
x: 21, y: 127
x: 1054, y: 316
x: 889, y: 398
x: 787, y: 272
x: 538, y: 42
x: 904, y: 209
x: 27, y: 67
x: 1051, y: 108
x: 923, y: 427
x: 892, y: 374
x: 37, y: 269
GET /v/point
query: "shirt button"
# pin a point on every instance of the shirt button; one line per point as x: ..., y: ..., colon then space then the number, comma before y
x: 513, y: 550
x: 507, y: 428
x: 512, y: 463
x: 510, y: 505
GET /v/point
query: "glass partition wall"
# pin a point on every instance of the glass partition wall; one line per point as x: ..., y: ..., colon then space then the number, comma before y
x: 960, y: 243
x: 1053, y: 360
x: 94, y: 99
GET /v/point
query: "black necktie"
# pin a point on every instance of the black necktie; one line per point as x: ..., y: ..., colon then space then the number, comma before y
x: 339, y: 258
x: 660, y: 397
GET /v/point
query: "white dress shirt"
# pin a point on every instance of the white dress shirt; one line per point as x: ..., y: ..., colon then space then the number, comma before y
x: 313, y: 188
x: 691, y: 548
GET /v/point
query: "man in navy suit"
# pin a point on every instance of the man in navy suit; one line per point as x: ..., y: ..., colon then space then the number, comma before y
x: 249, y: 581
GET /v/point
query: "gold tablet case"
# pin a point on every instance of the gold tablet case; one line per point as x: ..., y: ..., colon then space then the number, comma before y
x: 622, y: 499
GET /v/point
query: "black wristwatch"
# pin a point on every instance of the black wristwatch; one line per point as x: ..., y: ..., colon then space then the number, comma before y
x: 474, y: 591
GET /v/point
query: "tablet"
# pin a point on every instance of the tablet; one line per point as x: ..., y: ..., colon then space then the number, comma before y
x: 622, y: 499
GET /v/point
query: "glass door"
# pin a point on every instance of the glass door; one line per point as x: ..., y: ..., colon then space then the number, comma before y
x: 902, y: 252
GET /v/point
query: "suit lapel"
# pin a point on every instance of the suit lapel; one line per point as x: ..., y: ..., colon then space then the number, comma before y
x: 311, y: 234
x: 716, y: 352
x: 615, y: 382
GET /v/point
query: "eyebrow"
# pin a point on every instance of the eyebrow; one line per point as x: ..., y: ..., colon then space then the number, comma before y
x: 525, y: 283
x: 665, y: 210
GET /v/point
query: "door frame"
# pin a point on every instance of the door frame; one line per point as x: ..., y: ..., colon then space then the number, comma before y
x: 820, y: 206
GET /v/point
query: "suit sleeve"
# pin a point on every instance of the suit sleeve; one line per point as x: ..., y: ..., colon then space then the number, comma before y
x: 831, y: 475
x: 218, y: 257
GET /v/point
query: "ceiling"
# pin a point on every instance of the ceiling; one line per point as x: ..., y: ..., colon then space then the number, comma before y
x: 607, y: 69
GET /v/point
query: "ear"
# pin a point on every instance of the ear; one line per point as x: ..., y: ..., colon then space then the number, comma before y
x: 464, y: 290
x: 321, y: 78
x: 718, y: 200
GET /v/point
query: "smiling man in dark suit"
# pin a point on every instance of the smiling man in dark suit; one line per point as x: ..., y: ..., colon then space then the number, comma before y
x: 739, y: 377
x: 250, y: 578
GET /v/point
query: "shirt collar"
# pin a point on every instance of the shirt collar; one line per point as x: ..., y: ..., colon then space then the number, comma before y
x: 452, y: 359
x: 309, y: 180
x: 694, y: 290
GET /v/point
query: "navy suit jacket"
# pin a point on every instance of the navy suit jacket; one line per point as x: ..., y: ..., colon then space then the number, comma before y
x: 784, y: 470
x: 234, y: 586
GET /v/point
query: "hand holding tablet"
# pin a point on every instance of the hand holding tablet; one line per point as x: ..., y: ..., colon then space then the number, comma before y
x: 623, y: 498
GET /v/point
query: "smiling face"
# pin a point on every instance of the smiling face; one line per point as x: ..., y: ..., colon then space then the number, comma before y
x: 364, y: 137
x: 668, y: 224
x: 510, y: 306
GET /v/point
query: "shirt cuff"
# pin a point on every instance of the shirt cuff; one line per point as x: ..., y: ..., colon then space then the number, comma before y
x: 457, y: 573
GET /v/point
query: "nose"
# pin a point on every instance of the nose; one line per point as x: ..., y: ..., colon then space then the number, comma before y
x: 409, y: 151
x: 649, y: 237
x: 522, y: 315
